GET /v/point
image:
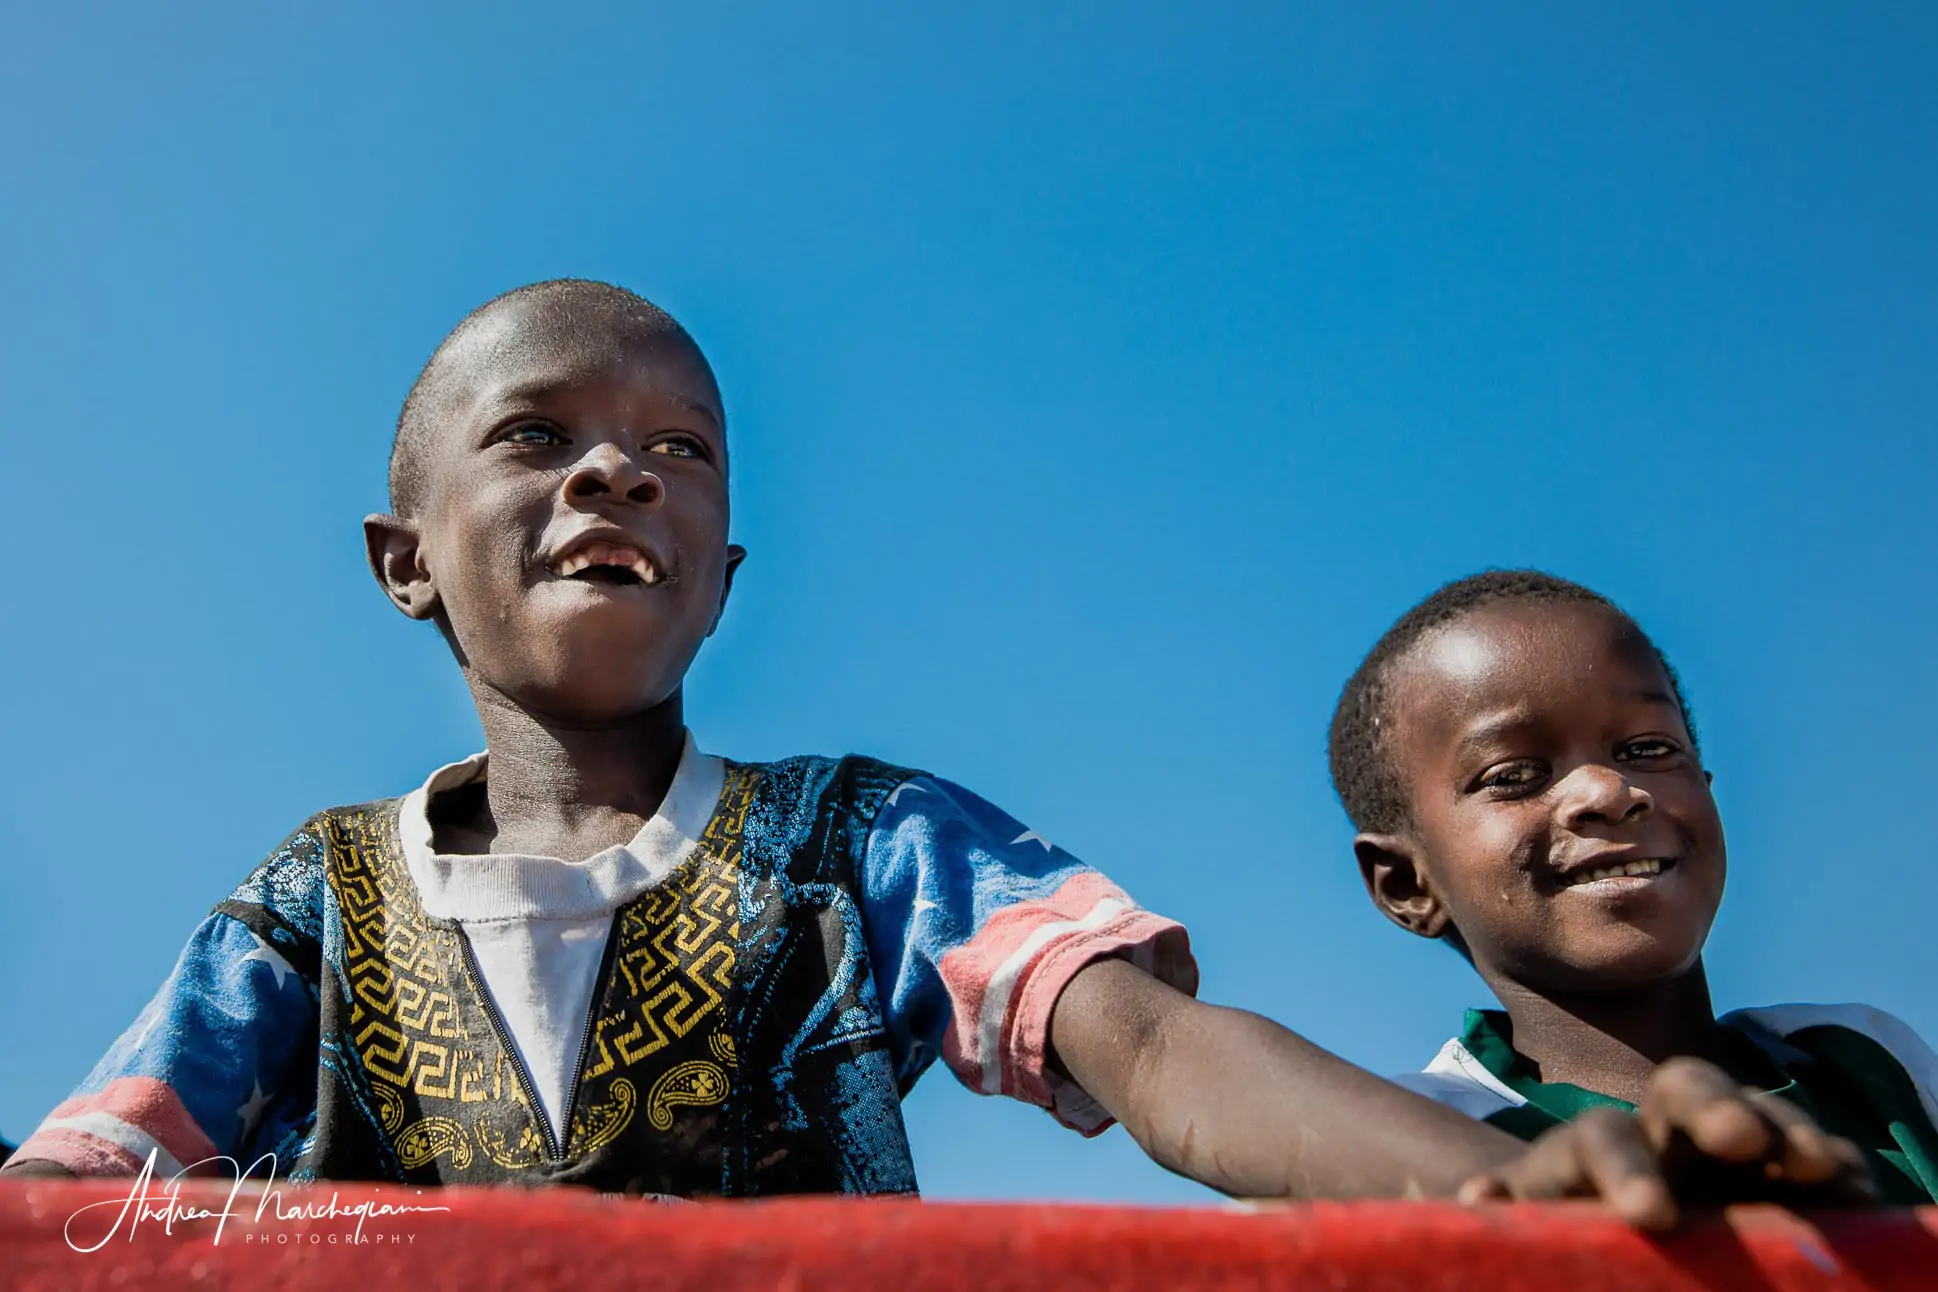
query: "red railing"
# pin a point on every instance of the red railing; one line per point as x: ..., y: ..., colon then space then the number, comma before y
x: 296, y: 1240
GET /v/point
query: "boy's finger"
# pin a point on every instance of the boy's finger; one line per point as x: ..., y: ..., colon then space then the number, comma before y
x: 1849, y: 1184
x: 1618, y: 1164
x: 1702, y: 1102
x: 1548, y: 1170
x: 1805, y: 1153
x: 1854, y: 1185
x: 1484, y: 1188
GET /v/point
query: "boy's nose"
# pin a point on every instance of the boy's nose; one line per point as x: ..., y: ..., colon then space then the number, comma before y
x: 1594, y: 793
x: 609, y: 471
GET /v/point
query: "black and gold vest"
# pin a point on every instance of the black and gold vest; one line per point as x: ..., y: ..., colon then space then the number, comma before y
x: 735, y: 1045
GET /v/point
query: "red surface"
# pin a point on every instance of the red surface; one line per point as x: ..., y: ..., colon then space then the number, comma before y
x: 491, y: 1239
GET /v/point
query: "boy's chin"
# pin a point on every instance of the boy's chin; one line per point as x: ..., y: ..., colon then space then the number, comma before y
x: 596, y: 677
x: 589, y: 699
x: 1630, y: 963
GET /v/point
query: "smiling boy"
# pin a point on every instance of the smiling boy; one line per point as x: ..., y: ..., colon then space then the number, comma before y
x: 1518, y: 758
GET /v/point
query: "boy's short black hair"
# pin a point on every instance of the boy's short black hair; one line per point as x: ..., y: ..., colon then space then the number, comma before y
x: 565, y: 295
x: 1363, y: 773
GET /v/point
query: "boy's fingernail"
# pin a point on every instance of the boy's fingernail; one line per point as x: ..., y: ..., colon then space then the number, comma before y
x: 1810, y: 1142
x: 1731, y: 1131
x: 1646, y: 1204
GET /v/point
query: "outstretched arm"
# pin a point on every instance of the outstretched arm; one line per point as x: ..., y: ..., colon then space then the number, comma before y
x: 1239, y: 1103
x: 1032, y: 975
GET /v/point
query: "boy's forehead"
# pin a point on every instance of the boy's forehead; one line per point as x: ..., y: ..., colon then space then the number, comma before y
x: 1519, y: 654
x: 525, y: 351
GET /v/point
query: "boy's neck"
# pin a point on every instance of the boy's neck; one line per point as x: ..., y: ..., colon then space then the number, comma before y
x: 1610, y: 1042
x: 563, y: 790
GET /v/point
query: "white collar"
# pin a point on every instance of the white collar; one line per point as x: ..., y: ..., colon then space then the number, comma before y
x: 514, y: 886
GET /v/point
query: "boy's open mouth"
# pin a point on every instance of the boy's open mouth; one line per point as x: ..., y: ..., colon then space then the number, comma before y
x: 1645, y: 869
x: 610, y: 563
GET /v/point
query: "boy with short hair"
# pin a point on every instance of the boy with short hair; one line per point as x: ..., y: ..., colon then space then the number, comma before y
x: 1518, y: 758
x: 597, y: 955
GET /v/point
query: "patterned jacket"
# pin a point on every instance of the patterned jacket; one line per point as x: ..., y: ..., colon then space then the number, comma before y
x: 758, y: 1013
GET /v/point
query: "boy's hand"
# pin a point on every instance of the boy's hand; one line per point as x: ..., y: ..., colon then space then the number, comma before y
x: 1698, y: 1138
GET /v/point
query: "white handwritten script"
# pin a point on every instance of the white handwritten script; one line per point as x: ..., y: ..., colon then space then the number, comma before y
x: 163, y: 1204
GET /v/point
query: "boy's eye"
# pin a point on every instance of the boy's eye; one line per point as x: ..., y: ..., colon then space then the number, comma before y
x: 1512, y: 776
x: 531, y: 433
x: 1653, y: 747
x: 680, y: 446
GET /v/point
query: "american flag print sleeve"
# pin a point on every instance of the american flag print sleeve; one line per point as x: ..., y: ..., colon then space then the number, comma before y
x: 221, y: 1063
x: 975, y: 925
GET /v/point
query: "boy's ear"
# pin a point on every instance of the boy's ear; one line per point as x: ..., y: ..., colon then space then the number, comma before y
x: 391, y: 543
x: 735, y: 555
x: 1398, y: 883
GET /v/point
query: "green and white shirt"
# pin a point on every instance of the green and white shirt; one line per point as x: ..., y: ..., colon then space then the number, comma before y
x: 1860, y: 1072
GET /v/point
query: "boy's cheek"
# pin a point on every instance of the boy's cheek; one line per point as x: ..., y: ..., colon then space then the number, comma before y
x: 1480, y: 850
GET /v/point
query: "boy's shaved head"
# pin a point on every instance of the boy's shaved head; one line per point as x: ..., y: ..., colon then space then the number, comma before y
x: 557, y: 314
x: 1362, y: 764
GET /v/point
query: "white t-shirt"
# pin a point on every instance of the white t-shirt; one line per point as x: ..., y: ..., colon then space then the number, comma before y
x: 538, y: 925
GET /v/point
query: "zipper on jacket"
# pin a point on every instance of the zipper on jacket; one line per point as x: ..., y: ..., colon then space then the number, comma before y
x: 599, y: 984
x: 547, y: 1140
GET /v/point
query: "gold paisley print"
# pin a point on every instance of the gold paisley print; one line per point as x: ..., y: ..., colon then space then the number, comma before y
x: 514, y: 1152
x: 693, y: 1084
x: 596, y: 1127
x: 390, y: 1105
x: 431, y: 1137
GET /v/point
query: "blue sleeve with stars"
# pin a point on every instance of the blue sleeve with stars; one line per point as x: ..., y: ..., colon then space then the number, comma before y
x: 222, y: 1062
x: 975, y: 924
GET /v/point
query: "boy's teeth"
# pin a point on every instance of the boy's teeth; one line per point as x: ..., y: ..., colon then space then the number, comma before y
x: 607, y: 554
x: 1650, y: 867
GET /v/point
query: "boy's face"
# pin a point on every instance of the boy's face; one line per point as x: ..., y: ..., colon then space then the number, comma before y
x: 573, y: 532
x: 1561, y: 819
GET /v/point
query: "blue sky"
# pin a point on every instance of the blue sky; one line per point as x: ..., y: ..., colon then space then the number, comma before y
x: 1103, y: 379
